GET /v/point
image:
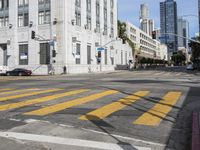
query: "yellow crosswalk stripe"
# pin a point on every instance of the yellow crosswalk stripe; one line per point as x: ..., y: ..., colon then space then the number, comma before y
x: 7, y: 89
x: 69, y: 104
x: 17, y: 91
x: 40, y: 100
x: 107, y: 110
x: 27, y: 94
x: 156, y: 114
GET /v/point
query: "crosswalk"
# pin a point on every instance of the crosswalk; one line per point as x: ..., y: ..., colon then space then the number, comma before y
x: 11, y: 99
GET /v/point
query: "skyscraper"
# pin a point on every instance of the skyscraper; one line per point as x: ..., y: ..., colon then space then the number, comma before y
x: 199, y: 13
x: 146, y: 24
x: 182, y: 31
x: 168, y: 24
x: 144, y: 11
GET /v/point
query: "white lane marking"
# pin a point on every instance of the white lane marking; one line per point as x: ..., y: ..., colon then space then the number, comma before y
x: 126, y: 138
x: 69, y: 141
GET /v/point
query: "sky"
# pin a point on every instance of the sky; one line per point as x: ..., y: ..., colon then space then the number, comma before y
x: 128, y: 10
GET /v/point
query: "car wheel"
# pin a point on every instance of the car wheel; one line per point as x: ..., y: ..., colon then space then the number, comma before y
x: 20, y: 74
x: 7, y: 74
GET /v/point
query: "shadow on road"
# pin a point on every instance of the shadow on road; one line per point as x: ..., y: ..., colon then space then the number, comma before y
x: 142, y: 108
x: 98, y: 123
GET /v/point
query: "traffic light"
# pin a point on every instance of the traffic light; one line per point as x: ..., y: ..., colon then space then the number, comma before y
x: 99, y: 54
x: 154, y: 34
x: 54, y: 53
x: 99, y: 57
x: 33, y: 35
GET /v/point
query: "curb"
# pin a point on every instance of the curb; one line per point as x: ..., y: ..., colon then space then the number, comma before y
x: 196, y: 131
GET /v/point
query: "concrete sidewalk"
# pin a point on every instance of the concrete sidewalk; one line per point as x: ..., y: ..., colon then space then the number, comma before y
x: 196, y: 131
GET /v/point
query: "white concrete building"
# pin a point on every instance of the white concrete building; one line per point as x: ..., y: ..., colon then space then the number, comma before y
x: 74, y: 28
x: 145, y: 45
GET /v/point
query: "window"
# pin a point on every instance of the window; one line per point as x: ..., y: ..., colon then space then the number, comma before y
x: 23, y: 20
x: 112, y: 60
x: 78, y: 18
x: 41, y: 17
x: 105, y: 18
x: 97, y: 16
x: 44, y: 13
x: 4, y: 4
x: 106, y: 57
x: 88, y: 9
x: 78, y: 12
x: 44, y: 53
x: 88, y: 54
x: 126, y: 57
x: 23, y: 54
x: 78, y: 53
x: 23, y: 14
x: 111, y: 3
x: 22, y: 3
x: 20, y: 20
x: 1, y: 22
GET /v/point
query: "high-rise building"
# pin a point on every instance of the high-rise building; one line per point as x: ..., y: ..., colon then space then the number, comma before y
x: 199, y: 13
x: 146, y: 24
x: 144, y: 11
x: 168, y: 24
x: 183, y: 32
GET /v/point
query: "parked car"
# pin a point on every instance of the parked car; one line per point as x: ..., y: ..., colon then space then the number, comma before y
x: 19, y: 72
x: 190, y: 67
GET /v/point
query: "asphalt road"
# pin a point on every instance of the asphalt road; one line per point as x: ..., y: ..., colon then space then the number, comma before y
x: 138, y: 110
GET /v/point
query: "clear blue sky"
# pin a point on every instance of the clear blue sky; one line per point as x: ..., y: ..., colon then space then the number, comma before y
x: 129, y: 11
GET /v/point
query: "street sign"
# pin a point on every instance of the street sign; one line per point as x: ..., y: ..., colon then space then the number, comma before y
x: 164, y: 37
x: 100, y: 49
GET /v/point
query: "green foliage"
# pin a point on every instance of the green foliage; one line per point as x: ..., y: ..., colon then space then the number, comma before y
x: 195, y: 50
x: 178, y: 58
x: 122, y: 34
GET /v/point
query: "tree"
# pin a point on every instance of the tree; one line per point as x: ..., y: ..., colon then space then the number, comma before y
x: 178, y: 58
x: 195, y: 51
x: 122, y: 34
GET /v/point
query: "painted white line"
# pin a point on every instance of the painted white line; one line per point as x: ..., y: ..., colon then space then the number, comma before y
x: 69, y: 141
x: 126, y: 138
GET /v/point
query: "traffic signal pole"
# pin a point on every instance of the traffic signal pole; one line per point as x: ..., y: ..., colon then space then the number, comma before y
x: 182, y: 37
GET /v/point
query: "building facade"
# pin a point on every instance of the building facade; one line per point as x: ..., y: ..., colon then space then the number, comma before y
x: 50, y: 35
x: 144, y: 44
x: 199, y: 13
x: 168, y: 24
x: 146, y: 24
x: 183, y: 32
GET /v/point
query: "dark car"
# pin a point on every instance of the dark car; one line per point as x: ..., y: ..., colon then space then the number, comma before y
x: 19, y: 72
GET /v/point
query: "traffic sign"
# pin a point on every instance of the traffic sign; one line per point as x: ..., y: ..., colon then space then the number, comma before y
x: 100, y: 49
x: 164, y: 37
